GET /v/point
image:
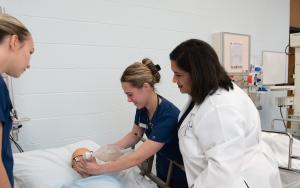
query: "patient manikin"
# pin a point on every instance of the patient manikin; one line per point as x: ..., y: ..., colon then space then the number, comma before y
x: 103, y: 154
x: 80, y: 152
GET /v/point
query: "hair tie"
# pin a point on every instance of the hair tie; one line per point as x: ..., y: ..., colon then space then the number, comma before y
x: 157, y: 67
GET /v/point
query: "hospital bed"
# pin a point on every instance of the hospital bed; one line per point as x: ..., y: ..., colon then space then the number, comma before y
x: 50, y: 168
x: 284, y: 146
x: 146, y: 170
x: 286, y: 149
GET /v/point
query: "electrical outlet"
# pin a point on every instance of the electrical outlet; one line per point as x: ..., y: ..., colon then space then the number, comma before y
x: 284, y: 101
x: 295, y: 128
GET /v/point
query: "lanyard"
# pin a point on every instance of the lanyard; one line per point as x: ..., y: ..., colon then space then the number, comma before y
x: 149, y: 122
x: 188, y: 110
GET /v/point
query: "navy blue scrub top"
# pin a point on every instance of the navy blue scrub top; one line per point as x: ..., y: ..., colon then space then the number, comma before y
x: 163, y: 128
x: 5, y: 108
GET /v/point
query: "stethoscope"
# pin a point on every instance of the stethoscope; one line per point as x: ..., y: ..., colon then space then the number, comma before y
x: 184, y: 128
x: 188, y: 125
x: 148, y: 126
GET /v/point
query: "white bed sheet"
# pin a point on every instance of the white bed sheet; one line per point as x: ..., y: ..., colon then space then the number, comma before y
x: 279, y: 143
x: 51, y: 168
x: 290, y: 179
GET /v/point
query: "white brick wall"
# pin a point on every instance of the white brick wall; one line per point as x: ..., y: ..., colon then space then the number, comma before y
x: 72, y: 90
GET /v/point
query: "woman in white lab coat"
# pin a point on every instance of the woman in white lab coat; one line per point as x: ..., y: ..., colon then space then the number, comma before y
x: 220, y: 131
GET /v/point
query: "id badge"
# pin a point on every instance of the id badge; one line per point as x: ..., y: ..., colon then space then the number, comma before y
x: 142, y: 125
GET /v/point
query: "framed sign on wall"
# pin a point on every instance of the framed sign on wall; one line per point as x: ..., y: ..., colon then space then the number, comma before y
x: 233, y: 51
x: 275, y: 67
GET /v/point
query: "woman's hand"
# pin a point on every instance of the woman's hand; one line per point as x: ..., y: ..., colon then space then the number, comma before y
x: 87, y: 167
x: 77, y: 166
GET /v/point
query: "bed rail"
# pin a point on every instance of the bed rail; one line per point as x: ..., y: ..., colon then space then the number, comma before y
x: 291, y: 157
x: 146, y: 166
x: 146, y: 170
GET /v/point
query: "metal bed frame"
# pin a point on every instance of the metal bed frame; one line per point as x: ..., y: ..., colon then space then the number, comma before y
x: 291, y: 156
x: 146, y: 170
x: 146, y: 166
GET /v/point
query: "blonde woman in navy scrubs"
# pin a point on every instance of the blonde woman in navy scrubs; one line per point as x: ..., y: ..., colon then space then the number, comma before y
x: 16, y: 47
x: 156, y: 117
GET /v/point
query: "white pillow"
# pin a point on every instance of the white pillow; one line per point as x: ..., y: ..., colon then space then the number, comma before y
x: 48, y: 168
x: 51, y: 168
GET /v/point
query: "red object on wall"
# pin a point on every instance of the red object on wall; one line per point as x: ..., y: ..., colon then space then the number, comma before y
x: 249, y: 79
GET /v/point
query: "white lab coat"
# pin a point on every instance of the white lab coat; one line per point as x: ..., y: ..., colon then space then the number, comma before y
x: 220, y: 141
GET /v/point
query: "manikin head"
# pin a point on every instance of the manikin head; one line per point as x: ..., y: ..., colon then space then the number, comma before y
x: 78, y: 154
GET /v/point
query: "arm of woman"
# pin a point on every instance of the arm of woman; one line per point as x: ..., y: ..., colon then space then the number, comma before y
x: 131, y: 138
x: 4, y: 182
x: 146, y: 150
x: 220, y: 135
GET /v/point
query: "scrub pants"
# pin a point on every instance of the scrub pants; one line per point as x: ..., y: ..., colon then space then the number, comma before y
x: 178, y: 179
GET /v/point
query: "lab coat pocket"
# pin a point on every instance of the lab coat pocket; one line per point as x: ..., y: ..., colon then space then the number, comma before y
x: 186, y: 131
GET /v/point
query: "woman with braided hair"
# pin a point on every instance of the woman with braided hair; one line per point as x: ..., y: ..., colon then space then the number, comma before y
x: 156, y: 117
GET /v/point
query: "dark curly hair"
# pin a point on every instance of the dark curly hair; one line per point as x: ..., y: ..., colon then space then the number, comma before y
x: 200, y: 60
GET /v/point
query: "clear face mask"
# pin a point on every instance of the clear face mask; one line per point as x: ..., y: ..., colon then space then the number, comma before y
x: 105, y: 153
